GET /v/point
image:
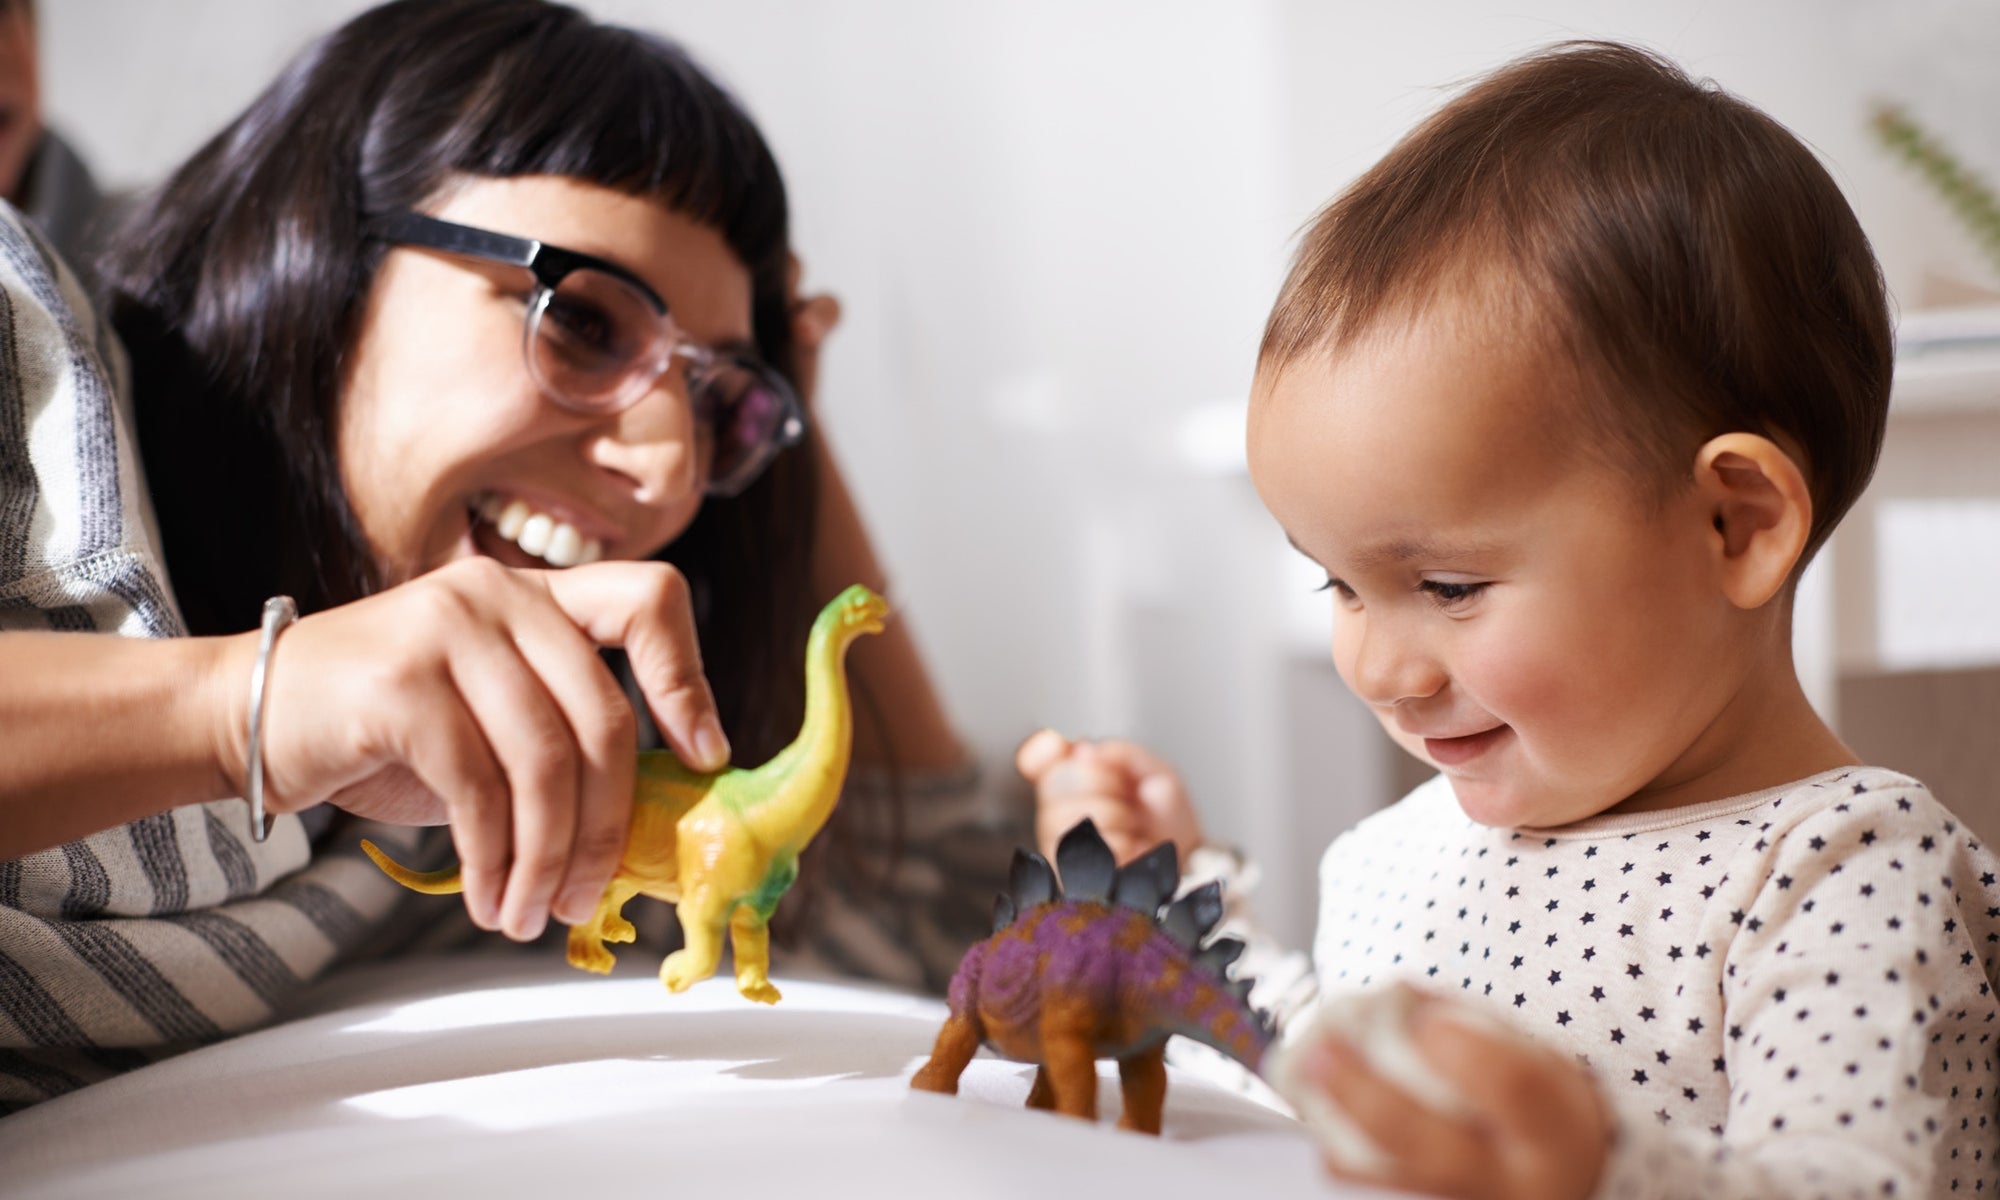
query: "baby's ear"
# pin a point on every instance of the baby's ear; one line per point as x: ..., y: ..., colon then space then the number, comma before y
x: 1761, y: 508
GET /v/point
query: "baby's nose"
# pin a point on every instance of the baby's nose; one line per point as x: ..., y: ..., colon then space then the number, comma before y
x: 1390, y: 669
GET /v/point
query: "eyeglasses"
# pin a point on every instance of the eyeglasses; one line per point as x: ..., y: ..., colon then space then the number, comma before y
x: 597, y: 337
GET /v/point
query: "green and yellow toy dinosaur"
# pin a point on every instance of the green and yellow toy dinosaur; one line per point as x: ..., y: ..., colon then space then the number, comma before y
x: 723, y: 846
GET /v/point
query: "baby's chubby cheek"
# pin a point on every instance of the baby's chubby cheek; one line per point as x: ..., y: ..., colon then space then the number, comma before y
x: 1511, y: 680
x: 1587, y: 728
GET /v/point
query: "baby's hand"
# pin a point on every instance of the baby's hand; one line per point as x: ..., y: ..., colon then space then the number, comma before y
x: 1135, y: 798
x: 1499, y: 1116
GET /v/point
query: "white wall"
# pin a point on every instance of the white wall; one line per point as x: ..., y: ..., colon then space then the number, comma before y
x: 1056, y: 227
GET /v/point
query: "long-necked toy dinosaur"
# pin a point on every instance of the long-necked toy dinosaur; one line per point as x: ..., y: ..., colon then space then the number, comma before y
x: 1097, y: 964
x: 722, y: 846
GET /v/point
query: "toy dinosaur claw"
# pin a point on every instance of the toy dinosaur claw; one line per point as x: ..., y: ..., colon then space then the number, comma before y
x: 1084, y: 863
x: 680, y: 972
x: 586, y: 953
x: 1147, y: 881
x: 762, y: 991
x: 1031, y: 881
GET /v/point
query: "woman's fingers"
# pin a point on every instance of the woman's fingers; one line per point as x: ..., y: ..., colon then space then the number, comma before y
x: 394, y: 794
x: 605, y: 744
x: 646, y: 608
x: 516, y: 850
x: 567, y: 853
x: 445, y: 748
x: 482, y: 689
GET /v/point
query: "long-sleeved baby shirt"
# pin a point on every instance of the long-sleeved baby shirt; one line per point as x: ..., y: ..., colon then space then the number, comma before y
x: 1789, y: 993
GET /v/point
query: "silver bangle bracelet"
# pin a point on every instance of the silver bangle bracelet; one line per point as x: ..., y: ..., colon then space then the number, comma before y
x: 279, y: 611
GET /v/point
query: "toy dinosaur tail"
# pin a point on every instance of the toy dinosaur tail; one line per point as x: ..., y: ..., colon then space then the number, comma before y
x: 1218, y: 1014
x: 1198, y: 998
x: 431, y: 883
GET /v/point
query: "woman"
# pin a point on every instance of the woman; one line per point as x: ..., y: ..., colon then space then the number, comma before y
x: 476, y: 289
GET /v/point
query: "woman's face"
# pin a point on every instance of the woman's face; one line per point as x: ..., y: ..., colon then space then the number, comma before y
x: 20, y: 94
x: 448, y: 448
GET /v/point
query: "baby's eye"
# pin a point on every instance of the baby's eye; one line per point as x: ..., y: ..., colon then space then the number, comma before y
x: 1345, y: 593
x: 1448, y: 594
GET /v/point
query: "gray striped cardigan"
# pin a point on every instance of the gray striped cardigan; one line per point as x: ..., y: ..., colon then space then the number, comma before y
x: 178, y: 929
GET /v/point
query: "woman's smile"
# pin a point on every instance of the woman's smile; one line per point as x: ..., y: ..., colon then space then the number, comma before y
x: 501, y: 523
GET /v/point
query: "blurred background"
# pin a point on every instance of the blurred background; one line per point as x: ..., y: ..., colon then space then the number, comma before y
x: 1056, y: 227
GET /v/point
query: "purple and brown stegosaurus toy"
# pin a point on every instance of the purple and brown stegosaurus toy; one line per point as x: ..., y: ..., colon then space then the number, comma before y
x: 1098, y: 965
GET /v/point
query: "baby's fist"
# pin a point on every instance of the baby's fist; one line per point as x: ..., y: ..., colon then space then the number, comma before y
x: 1135, y: 798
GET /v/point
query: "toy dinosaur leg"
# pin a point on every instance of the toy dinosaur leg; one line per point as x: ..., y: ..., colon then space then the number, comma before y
x: 1068, y: 1056
x: 586, y: 941
x: 750, y: 939
x: 1143, y: 1077
x: 957, y: 1042
x: 702, y: 923
x: 616, y: 928
x: 1043, y: 1094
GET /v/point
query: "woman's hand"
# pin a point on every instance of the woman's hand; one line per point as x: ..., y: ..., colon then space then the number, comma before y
x: 475, y: 695
x: 1531, y: 1123
x: 1135, y: 798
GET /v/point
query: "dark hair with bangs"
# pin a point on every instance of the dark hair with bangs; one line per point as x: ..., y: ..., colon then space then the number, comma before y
x: 239, y: 284
x: 1687, y: 250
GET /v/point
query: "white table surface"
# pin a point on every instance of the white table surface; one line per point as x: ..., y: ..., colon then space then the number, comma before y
x: 519, y: 1076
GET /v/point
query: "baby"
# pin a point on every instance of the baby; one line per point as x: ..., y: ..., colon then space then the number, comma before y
x: 1563, y: 394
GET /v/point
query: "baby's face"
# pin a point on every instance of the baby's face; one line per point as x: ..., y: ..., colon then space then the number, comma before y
x: 1511, y: 608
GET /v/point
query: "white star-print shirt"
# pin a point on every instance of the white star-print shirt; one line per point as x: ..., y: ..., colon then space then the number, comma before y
x: 1785, y: 994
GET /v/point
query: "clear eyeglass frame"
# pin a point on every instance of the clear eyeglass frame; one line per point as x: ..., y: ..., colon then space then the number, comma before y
x: 744, y: 409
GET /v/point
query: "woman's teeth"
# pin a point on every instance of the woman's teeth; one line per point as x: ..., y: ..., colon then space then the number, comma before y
x: 556, y: 543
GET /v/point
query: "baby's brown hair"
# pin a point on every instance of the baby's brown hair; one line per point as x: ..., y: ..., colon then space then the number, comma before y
x: 1683, y: 250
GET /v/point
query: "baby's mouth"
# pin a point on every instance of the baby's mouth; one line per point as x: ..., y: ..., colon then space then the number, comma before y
x: 503, y: 528
x: 1455, y: 751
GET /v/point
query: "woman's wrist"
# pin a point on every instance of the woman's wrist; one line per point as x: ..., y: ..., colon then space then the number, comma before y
x: 162, y: 703
x: 228, y: 662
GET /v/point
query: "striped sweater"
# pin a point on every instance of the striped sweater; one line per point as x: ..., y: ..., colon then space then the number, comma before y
x: 176, y: 930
